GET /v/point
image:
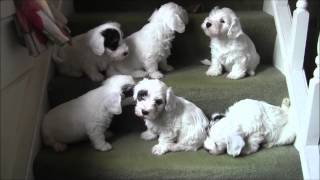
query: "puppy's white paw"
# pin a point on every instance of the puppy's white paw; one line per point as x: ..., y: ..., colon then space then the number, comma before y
x: 206, y: 62
x: 235, y: 76
x: 251, y: 73
x: 139, y: 74
x: 103, y: 146
x: 59, y: 147
x: 96, y: 77
x: 213, y: 72
x: 159, y: 150
x: 156, y: 75
x: 147, y: 135
x: 168, y: 68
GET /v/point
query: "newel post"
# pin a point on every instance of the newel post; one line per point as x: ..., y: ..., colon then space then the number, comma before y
x: 298, y: 35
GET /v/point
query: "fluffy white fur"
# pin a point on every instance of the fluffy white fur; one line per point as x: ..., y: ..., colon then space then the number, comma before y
x: 88, y: 55
x: 231, y: 48
x: 179, y: 124
x: 86, y: 116
x: 151, y: 45
x: 247, y: 125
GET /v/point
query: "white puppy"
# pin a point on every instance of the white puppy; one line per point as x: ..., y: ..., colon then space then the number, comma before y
x: 151, y: 45
x: 230, y: 47
x: 87, y: 116
x: 179, y: 123
x: 91, y: 52
x: 249, y: 124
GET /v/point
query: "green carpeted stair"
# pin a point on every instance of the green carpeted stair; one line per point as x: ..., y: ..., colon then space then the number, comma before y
x: 131, y: 157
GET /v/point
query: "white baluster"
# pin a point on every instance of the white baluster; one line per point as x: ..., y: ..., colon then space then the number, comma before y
x: 316, y: 71
x: 296, y: 79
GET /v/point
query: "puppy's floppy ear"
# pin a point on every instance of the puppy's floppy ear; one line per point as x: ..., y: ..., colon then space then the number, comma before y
x: 96, y: 42
x: 176, y: 24
x: 235, y: 144
x: 170, y: 100
x: 235, y: 29
x: 113, y: 103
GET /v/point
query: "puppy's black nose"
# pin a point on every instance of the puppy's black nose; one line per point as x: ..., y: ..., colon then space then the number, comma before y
x: 125, y: 53
x: 145, y: 112
x: 208, y: 24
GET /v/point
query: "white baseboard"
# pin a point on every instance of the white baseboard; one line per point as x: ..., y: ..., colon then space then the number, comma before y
x: 43, y: 106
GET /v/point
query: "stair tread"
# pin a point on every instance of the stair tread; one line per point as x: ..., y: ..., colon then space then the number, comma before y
x: 210, y: 93
x: 131, y: 158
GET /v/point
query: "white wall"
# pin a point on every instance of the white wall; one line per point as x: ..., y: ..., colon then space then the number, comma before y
x: 23, y: 83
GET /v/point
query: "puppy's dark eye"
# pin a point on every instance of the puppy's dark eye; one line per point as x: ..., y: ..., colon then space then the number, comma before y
x: 158, y: 101
x: 141, y: 94
x: 222, y: 21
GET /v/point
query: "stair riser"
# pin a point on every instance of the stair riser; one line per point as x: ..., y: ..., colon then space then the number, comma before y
x: 148, y: 6
x: 193, y: 43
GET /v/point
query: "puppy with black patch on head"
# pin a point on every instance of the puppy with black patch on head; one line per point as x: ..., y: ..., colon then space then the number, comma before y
x: 88, y: 115
x: 91, y: 52
x: 231, y: 49
x: 178, y: 124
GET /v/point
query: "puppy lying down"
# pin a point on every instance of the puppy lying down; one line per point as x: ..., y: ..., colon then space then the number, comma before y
x: 178, y: 124
x: 249, y: 124
x: 87, y: 116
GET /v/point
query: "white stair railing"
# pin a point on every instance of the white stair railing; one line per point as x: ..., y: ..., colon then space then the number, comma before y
x: 289, y: 58
x: 309, y: 134
x: 305, y: 100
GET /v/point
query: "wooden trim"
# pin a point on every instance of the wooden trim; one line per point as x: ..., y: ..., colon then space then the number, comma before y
x: 283, y: 20
x: 42, y: 108
x: 7, y: 8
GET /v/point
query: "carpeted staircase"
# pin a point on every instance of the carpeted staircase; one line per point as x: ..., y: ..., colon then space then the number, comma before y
x: 131, y: 157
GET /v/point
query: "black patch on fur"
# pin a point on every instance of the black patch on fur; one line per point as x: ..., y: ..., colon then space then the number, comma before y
x: 127, y: 90
x: 111, y: 38
x: 218, y: 117
x: 142, y: 94
x: 213, y: 121
x: 158, y: 102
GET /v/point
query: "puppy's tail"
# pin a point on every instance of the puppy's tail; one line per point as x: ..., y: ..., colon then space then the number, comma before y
x: 55, y: 55
x: 285, y: 104
x: 287, y: 135
x: 206, y: 62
